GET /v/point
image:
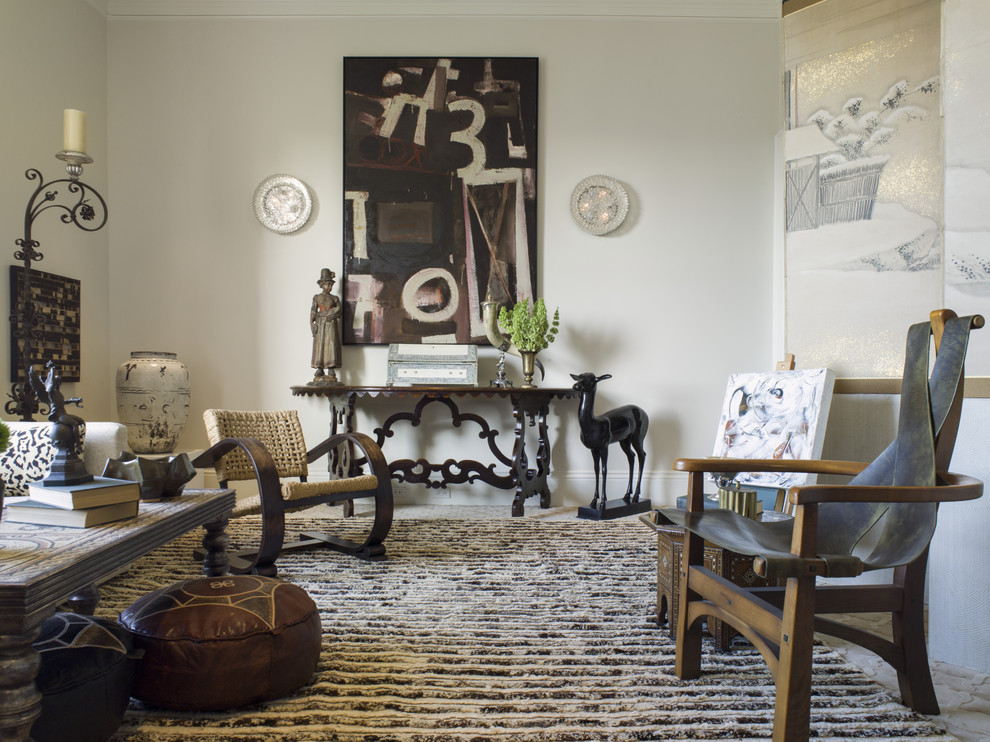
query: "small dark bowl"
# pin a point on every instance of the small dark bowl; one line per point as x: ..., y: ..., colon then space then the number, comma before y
x: 159, y: 479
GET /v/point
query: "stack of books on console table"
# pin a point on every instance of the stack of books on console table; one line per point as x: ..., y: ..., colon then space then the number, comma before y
x: 103, y: 500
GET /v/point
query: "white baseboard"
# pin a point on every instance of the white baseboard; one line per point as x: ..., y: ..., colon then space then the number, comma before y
x: 577, y: 488
x: 570, y: 489
x: 573, y: 489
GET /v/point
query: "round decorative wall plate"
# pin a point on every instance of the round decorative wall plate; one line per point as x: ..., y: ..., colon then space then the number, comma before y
x: 599, y: 204
x: 282, y: 203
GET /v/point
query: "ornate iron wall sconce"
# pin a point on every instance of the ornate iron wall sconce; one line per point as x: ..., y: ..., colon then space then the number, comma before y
x: 81, y: 205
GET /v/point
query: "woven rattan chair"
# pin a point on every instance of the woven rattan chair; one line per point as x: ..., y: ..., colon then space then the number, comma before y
x: 883, y: 517
x: 269, y: 448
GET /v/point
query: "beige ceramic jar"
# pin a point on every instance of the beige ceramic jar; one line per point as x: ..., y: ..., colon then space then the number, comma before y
x: 153, y: 400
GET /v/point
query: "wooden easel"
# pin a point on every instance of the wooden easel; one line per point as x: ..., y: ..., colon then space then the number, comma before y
x: 780, y: 504
x: 787, y: 364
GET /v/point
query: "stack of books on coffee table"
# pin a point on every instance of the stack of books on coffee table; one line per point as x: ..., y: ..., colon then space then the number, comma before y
x: 94, y: 503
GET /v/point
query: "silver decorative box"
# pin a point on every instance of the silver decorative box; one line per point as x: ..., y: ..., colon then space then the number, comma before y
x: 411, y: 364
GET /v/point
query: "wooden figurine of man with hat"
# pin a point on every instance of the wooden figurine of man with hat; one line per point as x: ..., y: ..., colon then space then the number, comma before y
x: 324, y: 319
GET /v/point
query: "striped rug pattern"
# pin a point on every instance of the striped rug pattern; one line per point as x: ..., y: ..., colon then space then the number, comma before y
x: 515, y: 629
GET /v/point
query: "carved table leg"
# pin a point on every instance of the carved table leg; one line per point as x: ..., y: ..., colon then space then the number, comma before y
x: 215, y: 543
x: 531, y: 481
x: 20, y: 701
x: 520, y: 464
x: 543, y: 457
x: 340, y: 461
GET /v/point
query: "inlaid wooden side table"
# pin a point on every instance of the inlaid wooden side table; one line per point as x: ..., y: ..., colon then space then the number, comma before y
x: 732, y: 566
x: 42, y: 567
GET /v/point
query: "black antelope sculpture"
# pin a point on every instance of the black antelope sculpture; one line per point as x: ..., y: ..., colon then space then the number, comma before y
x: 627, y: 426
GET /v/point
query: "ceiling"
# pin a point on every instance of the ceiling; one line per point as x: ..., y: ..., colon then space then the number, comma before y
x: 790, y: 6
x: 711, y: 9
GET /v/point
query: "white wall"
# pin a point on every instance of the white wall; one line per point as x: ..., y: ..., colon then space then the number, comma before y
x: 54, y: 56
x: 683, y: 112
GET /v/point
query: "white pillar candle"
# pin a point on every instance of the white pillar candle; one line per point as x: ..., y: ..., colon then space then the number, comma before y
x: 73, y: 130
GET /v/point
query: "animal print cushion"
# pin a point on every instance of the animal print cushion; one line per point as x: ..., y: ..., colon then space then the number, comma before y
x: 28, y: 458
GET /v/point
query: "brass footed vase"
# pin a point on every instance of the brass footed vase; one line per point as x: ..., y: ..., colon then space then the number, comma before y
x: 528, y: 368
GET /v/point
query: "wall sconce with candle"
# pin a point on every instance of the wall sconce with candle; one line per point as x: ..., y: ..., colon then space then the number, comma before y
x: 81, y: 205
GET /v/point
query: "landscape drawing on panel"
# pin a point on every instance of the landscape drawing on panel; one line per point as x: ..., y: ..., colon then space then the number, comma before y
x: 863, y: 183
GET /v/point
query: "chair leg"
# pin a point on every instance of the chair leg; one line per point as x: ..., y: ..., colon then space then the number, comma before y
x: 792, y: 712
x: 915, y: 681
x: 687, y: 655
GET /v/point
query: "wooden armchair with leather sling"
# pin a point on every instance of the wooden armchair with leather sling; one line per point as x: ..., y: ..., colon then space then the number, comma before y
x: 883, y: 517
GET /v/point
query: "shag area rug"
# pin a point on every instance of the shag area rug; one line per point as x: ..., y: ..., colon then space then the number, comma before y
x: 515, y: 629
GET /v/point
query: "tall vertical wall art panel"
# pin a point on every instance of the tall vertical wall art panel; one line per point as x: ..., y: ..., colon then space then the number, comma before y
x: 56, y: 334
x: 863, y: 181
x: 967, y: 172
x: 439, y: 194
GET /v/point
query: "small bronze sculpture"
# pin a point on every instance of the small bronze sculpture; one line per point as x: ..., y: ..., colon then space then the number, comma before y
x: 627, y: 426
x: 66, y: 430
x: 324, y: 320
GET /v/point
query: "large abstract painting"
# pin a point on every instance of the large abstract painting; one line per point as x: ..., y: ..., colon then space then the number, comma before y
x: 777, y: 415
x: 863, y: 150
x: 439, y: 195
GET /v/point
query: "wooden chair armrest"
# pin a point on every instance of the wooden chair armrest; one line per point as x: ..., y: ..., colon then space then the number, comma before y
x: 269, y: 489
x: 809, y: 466
x: 370, y: 452
x: 259, y: 456
x: 952, y: 488
x: 373, y: 456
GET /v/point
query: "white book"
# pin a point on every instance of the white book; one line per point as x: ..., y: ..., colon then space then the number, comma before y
x: 100, y: 491
x: 26, y: 510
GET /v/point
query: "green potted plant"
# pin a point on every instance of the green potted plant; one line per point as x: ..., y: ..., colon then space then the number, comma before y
x: 530, y: 331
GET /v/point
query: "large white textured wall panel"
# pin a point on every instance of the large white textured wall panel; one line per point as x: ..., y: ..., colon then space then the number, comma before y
x: 959, y: 578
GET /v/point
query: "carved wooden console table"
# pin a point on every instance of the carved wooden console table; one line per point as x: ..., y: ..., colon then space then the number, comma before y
x: 42, y: 566
x: 528, y: 405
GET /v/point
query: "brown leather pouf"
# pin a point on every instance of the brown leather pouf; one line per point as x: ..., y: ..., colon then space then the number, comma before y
x: 222, y: 642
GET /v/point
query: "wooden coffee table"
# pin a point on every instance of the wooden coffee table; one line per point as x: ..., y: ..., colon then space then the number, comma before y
x: 42, y: 567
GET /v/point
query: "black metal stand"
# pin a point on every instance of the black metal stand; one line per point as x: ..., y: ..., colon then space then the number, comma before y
x: 615, y: 509
x: 79, y: 209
